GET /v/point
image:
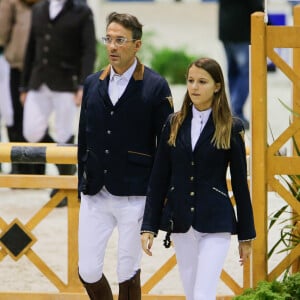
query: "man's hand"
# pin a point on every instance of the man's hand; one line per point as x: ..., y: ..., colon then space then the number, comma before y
x: 23, y: 96
x: 78, y: 97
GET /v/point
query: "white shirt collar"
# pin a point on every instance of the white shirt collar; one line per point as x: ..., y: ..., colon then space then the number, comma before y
x: 55, y: 7
x: 198, y: 122
x: 58, y: 1
x: 126, y: 75
x: 203, y: 114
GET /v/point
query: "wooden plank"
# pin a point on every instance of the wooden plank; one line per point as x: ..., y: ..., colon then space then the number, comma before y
x: 285, y: 194
x: 283, y: 66
x: 231, y: 283
x: 46, y: 270
x: 55, y: 153
x: 73, y: 212
x: 38, y: 181
x: 81, y: 296
x: 259, y: 144
x: 285, y: 263
x: 283, y: 36
x: 159, y: 274
x: 283, y: 165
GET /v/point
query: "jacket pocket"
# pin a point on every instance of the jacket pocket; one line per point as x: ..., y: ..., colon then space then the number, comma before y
x: 139, y: 158
x: 220, y: 192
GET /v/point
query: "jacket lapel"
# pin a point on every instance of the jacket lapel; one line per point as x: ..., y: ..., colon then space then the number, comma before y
x: 133, y: 83
x: 46, y: 10
x: 184, y: 139
x: 103, y: 86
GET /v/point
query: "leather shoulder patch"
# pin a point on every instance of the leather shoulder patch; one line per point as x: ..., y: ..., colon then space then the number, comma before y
x: 170, y: 99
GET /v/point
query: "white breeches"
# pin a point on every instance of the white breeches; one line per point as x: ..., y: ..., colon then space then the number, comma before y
x: 98, y: 216
x: 38, y: 107
x: 6, y: 108
x: 200, y: 258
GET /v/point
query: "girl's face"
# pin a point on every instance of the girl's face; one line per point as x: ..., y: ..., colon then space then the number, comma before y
x: 201, y: 87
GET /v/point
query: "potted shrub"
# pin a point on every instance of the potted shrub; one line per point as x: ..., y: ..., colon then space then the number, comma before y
x: 288, y: 289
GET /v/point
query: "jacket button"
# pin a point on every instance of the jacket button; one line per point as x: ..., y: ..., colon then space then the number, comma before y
x: 192, y: 163
x: 47, y: 37
x: 105, y: 171
x: 192, y: 209
x: 192, y: 193
x: 106, y: 151
x: 111, y: 113
x: 108, y: 131
x: 192, y: 178
x: 45, y: 61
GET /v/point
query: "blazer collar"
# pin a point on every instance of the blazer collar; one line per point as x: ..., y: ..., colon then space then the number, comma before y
x: 138, y: 73
x: 104, y: 78
x: 67, y: 5
x: 184, y: 134
x: 184, y: 138
x: 207, y: 132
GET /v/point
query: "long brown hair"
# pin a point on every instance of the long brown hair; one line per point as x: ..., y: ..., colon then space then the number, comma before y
x: 220, y: 108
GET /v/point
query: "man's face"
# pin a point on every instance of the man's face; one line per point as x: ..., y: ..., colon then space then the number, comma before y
x: 121, y: 56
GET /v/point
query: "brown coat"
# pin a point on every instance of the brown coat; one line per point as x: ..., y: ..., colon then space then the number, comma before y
x: 15, y: 18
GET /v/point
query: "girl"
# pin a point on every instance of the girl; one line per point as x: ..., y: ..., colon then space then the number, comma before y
x: 187, y: 194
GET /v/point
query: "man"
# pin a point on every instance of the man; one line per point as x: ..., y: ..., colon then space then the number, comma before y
x: 6, y: 110
x: 15, y: 17
x: 123, y: 111
x: 234, y: 32
x: 60, y: 54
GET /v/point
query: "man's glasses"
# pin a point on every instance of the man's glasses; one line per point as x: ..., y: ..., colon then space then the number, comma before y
x: 119, y: 41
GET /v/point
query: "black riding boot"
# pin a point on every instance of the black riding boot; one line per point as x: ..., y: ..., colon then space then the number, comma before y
x: 131, y: 289
x: 99, y: 290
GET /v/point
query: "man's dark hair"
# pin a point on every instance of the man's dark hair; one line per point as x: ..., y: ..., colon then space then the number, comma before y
x: 128, y: 21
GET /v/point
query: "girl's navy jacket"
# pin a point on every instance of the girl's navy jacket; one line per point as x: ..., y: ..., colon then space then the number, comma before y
x: 188, y: 188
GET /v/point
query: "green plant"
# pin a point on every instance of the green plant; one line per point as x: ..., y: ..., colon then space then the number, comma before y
x: 101, y: 56
x: 288, y: 289
x: 292, y: 285
x: 171, y: 63
x: 148, y: 48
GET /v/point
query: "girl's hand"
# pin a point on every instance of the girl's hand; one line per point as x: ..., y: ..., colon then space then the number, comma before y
x: 245, y: 251
x: 147, y: 242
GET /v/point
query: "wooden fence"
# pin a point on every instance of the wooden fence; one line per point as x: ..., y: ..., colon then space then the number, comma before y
x: 67, y: 185
x: 265, y: 165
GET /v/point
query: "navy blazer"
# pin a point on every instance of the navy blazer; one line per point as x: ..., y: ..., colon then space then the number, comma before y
x: 189, y: 187
x: 117, y: 144
x: 60, y: 52
x: 235, y: 19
